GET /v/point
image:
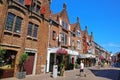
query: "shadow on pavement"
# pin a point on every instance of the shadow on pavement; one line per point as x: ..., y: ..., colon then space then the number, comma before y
x: 107, y: 73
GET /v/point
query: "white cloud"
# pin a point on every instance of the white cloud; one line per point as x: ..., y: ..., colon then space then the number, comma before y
x: 111, y: 45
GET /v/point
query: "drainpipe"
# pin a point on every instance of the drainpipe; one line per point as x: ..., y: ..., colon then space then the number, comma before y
x: 49, y: 29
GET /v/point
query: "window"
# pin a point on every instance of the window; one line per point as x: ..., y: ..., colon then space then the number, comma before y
x: 78, y: 44
x: 18, y: 25
x: 38, y: 9
x: 32, y: 30
x: 78, y: 33
x: 64, y: 38
x: 21, y: 1
x: 36, y: 6
x: 35, y: 31
x: 72, y: 42
x: 11, y: 20
x: 33, y: 6
x: 73, y: 47
x: 64, y: 25
x: 53, y: 35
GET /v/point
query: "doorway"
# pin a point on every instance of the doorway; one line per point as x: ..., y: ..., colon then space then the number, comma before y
x: 28, y: 66
x: 51, y: 61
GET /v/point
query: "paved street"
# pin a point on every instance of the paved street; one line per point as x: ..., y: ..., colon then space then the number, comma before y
x: 92, y: 74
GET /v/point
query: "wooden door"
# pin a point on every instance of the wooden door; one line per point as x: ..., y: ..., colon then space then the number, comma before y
x: 28, y: 66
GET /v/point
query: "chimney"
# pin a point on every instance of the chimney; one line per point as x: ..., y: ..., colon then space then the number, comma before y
x: 78, y: 20
x: 86, y: 28
x: 91, y: 33
x: 50, y: 1
x: 64, y: 6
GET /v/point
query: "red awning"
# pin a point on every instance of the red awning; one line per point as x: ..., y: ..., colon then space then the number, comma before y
x: 61, y: 51
x: 101, y: 57
x: 109, y: 59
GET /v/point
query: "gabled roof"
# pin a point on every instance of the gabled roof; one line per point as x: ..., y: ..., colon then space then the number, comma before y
x: 63, y: 14
x: 76, y: 26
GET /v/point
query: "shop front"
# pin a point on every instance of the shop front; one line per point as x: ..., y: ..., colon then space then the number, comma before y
x: 88, y: 59
x: 7, y: 63
x: 60, y: 56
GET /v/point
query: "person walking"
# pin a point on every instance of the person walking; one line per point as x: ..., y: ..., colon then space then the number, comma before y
x: 82, y: 69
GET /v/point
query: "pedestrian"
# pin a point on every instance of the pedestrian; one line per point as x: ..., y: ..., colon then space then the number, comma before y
x: 82, y: 68
x: 99, y: 64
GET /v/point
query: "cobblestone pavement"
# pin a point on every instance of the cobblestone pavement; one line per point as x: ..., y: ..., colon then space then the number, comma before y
x: 92, y: 73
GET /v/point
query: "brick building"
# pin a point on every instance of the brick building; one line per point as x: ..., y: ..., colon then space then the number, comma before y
x: 66, y: 37
x: 23, y: 24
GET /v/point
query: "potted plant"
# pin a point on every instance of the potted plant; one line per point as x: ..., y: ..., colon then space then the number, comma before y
x: 62, y: 69
x: 23, y: 58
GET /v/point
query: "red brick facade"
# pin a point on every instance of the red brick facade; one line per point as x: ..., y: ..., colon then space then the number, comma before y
x: 9, y: 40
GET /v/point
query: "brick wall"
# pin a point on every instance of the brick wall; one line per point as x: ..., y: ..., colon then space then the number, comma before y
x: 18, y: 42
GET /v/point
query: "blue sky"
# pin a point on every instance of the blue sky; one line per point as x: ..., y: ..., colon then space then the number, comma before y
x: 101, y: 16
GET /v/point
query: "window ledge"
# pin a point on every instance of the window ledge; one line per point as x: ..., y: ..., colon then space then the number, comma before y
x: 29, y: 37
x: 64, y: 29
x: 8, y: 32
x: 32, y: 38
x: 35, y: 39
x: 17, y: 34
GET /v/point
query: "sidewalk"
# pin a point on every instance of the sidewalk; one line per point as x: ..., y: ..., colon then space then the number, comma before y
x: 69, y: 75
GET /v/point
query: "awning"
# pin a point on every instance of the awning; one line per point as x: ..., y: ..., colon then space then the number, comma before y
x: 109, y: 59
x: 72, y: 52
x: 61, y: 51
x: 86, y: 56
x: 101, y: 57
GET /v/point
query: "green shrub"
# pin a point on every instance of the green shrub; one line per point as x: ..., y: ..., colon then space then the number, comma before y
x: 22, y: 59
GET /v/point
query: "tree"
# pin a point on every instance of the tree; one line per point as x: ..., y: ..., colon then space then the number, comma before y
x: 23, y: 58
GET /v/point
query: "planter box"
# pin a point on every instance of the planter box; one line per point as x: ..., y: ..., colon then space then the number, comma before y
x: 6, y: 73
x: 21, y: 75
